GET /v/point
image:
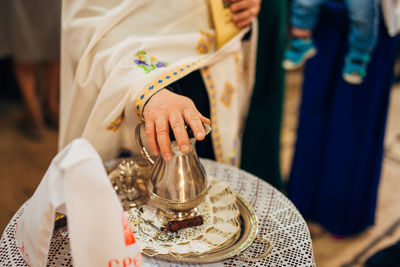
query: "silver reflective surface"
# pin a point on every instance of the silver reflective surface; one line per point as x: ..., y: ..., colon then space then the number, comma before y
x: 177, y: 186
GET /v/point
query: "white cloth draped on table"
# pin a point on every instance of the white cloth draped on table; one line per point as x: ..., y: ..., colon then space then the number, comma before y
x: 117, y: 54
x: 77, y: 185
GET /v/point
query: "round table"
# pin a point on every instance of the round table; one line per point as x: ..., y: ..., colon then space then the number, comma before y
x: 278, y: 219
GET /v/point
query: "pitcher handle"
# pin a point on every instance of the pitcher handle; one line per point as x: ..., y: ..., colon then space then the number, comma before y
x: 139, y: 142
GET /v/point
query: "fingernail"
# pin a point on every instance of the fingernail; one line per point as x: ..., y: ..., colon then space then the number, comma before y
x: 184, y: 148
x: 200, y: 134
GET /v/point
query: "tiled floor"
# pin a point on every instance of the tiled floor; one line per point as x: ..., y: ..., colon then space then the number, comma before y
x: 24, y: 162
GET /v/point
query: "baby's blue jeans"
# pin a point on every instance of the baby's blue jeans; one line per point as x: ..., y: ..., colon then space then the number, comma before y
x: 363, y: 15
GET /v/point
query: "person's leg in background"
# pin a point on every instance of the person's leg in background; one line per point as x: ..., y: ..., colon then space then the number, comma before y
x: 364, y: 21
x: 338, y: 155
x: 52, y: 81
x: 304, y: 16
x: 25, y: 73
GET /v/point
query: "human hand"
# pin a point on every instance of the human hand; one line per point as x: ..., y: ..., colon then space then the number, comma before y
x: 167, y: 108
x: 244, y: 11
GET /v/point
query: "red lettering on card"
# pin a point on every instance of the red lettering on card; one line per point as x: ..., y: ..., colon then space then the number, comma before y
x: 127, y: 261
x: 135, y: 261
x: 111, y: 263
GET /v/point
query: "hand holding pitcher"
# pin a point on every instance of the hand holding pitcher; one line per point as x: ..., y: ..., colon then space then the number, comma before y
x: 167, y: 109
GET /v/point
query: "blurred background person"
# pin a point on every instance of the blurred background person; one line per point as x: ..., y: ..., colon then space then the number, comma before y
x: 32, y: 36
x: 261, y: 139
x: 363, y: 21
x: 338, y: 157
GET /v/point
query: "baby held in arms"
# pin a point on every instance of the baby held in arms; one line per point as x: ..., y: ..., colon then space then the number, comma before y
x: 364, y: 19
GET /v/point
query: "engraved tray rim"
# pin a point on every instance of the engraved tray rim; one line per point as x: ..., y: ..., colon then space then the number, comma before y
x: 248, y: 233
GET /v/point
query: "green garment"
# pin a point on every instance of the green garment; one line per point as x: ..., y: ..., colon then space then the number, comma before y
x: 261, y: 140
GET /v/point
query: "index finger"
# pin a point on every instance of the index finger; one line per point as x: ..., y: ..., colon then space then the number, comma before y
x: 194, y: 121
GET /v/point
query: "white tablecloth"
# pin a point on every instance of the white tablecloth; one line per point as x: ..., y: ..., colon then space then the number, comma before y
x: 279, y: 221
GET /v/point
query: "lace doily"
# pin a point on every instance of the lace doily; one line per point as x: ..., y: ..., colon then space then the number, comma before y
x: 220, y: 225
x: 278, y: 221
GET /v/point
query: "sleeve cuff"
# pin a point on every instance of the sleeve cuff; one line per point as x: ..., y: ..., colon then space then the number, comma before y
x: 161, y: 82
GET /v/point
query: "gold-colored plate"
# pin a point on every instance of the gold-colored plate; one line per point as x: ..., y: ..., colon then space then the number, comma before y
x: 248, y: 232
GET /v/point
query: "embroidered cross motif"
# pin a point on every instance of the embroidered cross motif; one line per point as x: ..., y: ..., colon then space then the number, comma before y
x: 227, y: 95
x: 205, y: 43
x: 116, y: 124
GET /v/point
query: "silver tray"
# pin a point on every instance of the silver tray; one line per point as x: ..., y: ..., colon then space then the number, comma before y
x: 249, y: 229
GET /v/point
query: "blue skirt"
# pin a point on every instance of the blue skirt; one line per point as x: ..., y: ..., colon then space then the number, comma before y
x: 338, y: 157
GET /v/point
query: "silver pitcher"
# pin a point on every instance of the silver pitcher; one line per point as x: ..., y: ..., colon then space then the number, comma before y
x: 177, y: 186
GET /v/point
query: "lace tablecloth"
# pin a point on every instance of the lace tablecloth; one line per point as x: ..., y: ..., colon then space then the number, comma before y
x: 278, y: 220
